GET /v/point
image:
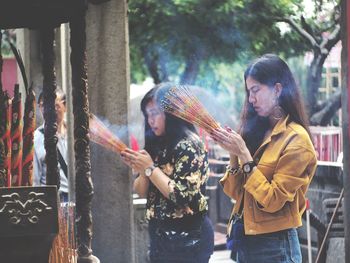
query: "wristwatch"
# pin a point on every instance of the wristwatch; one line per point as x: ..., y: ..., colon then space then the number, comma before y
x: 233, y: 170
x: 248, y: 167
x: 149, y: 170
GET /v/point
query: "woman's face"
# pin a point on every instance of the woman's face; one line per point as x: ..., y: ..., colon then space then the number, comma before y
x: 60, y: 107
x: 262, y: 97
x: 155, y: 118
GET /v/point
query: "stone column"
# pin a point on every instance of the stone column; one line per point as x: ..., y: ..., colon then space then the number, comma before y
x: 108, y: 76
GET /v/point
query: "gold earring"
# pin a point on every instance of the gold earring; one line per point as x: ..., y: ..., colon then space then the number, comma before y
x: 277, y: 112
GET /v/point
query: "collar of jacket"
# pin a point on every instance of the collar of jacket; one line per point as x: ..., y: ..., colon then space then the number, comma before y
x: 280, y: 127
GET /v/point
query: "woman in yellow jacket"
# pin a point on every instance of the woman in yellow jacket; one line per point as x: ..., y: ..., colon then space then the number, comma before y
x: 272, y: 162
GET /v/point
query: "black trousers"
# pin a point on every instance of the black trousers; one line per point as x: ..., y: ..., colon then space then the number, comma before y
x: 159, y: 253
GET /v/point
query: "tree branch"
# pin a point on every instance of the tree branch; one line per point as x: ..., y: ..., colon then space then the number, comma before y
x: 330, y: 41
x: 300, y: 30
x: 306, y: 26
x: 324, y: 116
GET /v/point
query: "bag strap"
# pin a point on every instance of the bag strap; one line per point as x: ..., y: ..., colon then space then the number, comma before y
x: 62, y: 163
x: 60, y: 158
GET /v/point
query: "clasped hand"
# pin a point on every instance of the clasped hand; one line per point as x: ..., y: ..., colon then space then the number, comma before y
x: 137, y: 160
x: 231, y: 141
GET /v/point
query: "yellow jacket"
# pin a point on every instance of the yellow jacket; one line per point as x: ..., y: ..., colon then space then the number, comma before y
x: 274, y: 197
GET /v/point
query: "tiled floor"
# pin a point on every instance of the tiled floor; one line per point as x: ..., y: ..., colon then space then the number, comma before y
x: 221, y: 256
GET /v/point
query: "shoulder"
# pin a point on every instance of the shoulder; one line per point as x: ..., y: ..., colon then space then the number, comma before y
x: 299, y: 136
x: 38, y: 134
x: 190, y: 143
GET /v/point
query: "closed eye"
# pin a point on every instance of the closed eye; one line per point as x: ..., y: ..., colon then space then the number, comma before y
x: 253, y: 90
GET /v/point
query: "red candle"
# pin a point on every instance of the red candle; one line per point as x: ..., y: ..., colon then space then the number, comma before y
x: 28, y: 139
x: 16, y: 138
x: 5, y: 120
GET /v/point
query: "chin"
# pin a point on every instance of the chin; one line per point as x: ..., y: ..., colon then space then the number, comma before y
x: 263, y: 114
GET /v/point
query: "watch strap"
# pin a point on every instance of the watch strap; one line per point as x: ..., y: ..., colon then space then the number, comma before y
x: 151, y: 168
x: 233, y: 170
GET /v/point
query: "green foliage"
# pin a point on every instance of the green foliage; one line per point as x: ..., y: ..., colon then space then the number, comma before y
x: 139, y: 70
x: 220, y: 29
x: 223, y: 35
x: 7, y: 35
x: 182, y: 27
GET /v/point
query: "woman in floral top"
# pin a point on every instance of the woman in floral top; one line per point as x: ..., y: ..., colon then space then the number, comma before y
x: 173, y: 170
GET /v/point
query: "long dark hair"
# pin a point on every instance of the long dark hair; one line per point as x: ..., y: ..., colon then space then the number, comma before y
x: 175, y: 128
x: 269, y: 70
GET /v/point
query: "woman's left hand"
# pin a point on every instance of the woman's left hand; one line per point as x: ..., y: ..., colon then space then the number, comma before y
x: 137, y: 160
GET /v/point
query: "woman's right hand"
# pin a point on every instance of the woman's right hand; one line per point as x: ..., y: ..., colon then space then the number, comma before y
x: 232, y: 142
x: 126, y: 157
x: 137, y: 160
x: 223, y: 137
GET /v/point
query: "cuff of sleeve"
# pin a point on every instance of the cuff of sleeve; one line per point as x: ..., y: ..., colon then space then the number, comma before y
x: 254, y: 181
x: 224, y: 178
x: 229, y: 172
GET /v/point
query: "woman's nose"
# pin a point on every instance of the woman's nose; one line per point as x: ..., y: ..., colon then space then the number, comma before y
x: 251, y: 98
x: 150, y: 120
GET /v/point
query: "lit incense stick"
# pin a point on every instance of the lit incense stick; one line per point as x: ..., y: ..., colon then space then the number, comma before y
x: 101, y: 135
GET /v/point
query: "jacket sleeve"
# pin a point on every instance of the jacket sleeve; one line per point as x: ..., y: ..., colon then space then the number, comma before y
x: 190, y: 173
x: 232, y: 184
x: 291, y: 173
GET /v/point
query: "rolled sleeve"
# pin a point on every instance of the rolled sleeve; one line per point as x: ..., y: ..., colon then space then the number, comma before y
x: 232, y: 184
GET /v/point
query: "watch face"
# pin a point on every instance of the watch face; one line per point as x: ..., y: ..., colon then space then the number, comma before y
x: 246, y: 168
x: 148, y: 172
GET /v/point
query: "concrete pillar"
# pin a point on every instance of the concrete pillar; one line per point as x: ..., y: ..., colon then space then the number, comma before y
x: 108, y: 76
x: 28, y: 42
x: 345, y: 60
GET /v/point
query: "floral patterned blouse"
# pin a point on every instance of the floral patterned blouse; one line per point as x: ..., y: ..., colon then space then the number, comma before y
x: 188, y: 170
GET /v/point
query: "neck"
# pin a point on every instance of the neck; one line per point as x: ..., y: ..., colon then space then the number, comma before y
x: 61, y: 129
x: 272, y: 122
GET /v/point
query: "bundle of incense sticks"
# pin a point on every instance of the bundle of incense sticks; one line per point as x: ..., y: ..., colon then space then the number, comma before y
x: 100, y: 134
x: 180, y: 102
x: 64, y: 246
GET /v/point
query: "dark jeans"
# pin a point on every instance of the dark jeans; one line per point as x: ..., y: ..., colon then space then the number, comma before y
x: 200, y: 255
x: 63, y: 197
x: 277, y: 247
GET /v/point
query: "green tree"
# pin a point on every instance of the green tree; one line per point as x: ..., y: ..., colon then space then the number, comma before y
x: 7, y: 36
x: 321, y: 32
x: 189, y: 38
x: 174, y: 35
